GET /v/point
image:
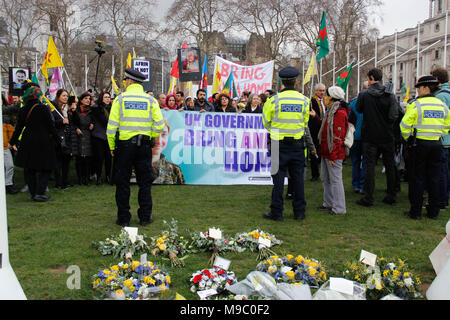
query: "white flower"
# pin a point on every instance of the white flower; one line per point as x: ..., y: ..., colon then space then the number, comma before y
x: 193, y: 289
x: 114, y: 243
x: 391, y: 266
x: 408, y: 282
x: 128, y: 255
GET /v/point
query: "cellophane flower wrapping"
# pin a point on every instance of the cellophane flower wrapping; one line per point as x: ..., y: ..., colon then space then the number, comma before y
x: 294, y: 270
x: 212, y: 278
x: 385, y: 278
x: 131, y: 281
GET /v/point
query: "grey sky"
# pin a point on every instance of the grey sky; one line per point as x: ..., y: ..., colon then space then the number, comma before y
x: 396, y: 14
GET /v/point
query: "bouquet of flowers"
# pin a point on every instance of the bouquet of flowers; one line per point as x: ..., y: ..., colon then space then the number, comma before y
x: 294, y: 270
x: 214, y: 278
x: 385, y: 278
x: 252, y: 241
x: 171, y: 244
x: 202, y: 242
x: 121, y: 246
x: 133, y: 281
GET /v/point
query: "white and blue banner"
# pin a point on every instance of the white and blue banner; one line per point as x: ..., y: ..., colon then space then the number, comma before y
x: 217, y: 148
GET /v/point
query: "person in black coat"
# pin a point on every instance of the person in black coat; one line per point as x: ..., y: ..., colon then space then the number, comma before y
x: 37, y: 151
x: 100, y: 148
x: 224, y: 104
x: 254, y: 104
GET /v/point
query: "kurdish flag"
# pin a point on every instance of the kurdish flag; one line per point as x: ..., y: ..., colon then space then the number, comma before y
x: 229, y: 88
x: 52, y: 58
x: 204, y: 82
x: 344, y: 78
x: 322, y: 39
x: 217, y: 82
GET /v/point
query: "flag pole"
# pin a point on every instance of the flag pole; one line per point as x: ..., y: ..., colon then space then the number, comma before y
x: 67, y: 75
x: 394, y: 78
x: 303, y: 77
x: 334, y: 67
x: 376, y: 51
x: 85, y: 72
x: 359, y: 63
x: 445, y: 37
x: 418, y: 53
x: 312, y: 77
x: 348, y: 83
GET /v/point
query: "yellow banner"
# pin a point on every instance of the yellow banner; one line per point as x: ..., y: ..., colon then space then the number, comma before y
x: 312, y: 70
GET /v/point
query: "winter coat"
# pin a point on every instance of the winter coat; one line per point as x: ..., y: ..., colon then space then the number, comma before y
x: 248, y: 109
x: 207, y: 106
x: 340, y: 125
x: 100, y: 119
x: 82, y: 121
x: 37, y: 149
x: 380, y: 110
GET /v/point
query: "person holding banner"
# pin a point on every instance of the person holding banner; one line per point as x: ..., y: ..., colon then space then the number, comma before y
x: 137, y: 119
x: 224, y: 104
x: 286, y: 115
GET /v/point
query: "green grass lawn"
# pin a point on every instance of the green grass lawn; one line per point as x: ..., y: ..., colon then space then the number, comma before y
x: 46, y: 238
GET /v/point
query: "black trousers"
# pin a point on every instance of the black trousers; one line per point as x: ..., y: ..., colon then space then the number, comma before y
x: 37, y: 181
x: 129, y: 155
x: 101, y: 154
x: 292, y: 158
x: 425, y: 171
x: 83, y: 166
x: 62, y: 169
x: 315, y: 164
x: 371, y: 152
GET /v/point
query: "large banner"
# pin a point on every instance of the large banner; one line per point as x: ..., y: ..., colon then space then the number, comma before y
x: 212, y: 149
x: 256, y: 78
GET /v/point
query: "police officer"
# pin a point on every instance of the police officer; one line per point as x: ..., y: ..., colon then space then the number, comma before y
x: 425, y: 122
x: 285, y: 115
x: 138, y: 120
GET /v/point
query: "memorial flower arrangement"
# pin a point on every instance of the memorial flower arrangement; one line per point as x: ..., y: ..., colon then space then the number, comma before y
x: 385, y: 278
x: 252, y: 240
x: 294, y: 270
x: 213, y: 278
x: 122, y: 246
x: 171, y: 244
x: 203, y: 242
x: 130, y: 281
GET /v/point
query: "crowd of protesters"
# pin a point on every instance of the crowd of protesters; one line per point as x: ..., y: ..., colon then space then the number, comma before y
x: 78, y: 127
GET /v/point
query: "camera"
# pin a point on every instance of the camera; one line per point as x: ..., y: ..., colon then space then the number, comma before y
x: 99, y: 48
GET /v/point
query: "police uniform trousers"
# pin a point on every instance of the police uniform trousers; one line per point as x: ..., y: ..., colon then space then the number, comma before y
x: 292, y: 158
x: 130, y: 155
x: 425, y: 169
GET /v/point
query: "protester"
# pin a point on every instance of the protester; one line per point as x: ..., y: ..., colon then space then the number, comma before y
x: 99, y: 141
x: 201, y: 104
x: 254, y: 104
x: 83, y: 121
x: 380, y: 110
x: 171, y: 102
x: 357, y: 150
x: 180, y: 99
x: 62, y: 126
x: 188, y: 104
x: 441, y: 74
x: 36, y: 153
x: 244, y: 96
x: 161, y: 98
x: 332, y: 151
x: 315, y: 121
x: 224, y: 104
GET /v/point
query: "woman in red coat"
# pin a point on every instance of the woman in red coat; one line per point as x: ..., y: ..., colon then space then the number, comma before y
x: 332, y: 151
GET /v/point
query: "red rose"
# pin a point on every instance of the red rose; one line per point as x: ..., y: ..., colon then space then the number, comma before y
x: 197, y: 278
x: 207, y: 273
x: 221, y: 272
x: 229, y: 281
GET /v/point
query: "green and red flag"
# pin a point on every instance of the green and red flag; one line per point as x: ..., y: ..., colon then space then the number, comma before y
x: 322, y: 39
x: 343, y: 79
x: 280, y: 85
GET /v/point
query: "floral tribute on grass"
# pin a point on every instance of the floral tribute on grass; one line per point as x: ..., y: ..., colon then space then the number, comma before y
x: 212, y: 240
x: 214, y: 279
x: 294, y: 270
x: 171, y: 244
x: 131, y: 281
x: 122, y: 246
x: 258, y: 240
x: 385, y: 278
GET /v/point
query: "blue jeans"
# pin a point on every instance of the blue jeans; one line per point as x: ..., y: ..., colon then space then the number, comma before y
x: 358, y: 165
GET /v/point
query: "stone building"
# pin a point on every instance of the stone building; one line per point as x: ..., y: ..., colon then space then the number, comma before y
x: 431, y: 46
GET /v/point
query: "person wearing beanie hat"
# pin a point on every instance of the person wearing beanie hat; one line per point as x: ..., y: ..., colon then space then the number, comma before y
x: 37, y: 153
x: 332, y: 152
x: 425, y: 122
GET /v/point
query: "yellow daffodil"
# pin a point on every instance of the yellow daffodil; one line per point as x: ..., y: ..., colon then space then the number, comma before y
x: 109, y: 279
x: 162, y: 247
x: 289, y: 256
x: 134, y: 265
x: 418, y: 280
x: 149, y: 280
x: 132, y: 288
x: 115, y: 268
x: 256, y: 235
x: 128, y: 283
x: 378, y: 285
x: 385, y: 273
x: 314, y: 264
x: 96, y: 283
x: 395, y: 272
x: 406, y: 275
x: 168, y: 279
x: 125, y: 266
x: 307, y: 261
x: 290, y: 274
x: 357, y: 278
x: 106, y: 272
x: 272, y: 269
x: 299, y: 259
x: 312, y: 272
x: 323, y: 275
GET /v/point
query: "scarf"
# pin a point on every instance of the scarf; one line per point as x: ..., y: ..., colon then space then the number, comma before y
x: 329, y: 118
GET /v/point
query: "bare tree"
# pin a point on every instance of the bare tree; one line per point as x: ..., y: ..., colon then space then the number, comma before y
x: 198, y: 21
x: 21, y: 22
x: 271, y: 20
x: 125, y: 21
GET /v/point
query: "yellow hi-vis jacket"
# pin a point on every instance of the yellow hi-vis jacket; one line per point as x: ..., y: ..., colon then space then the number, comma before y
x: 132, y: 113
x: 286, y: 114
x: 429, y: 115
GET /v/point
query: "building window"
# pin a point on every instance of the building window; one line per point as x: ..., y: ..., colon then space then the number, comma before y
x: 437, y: 27
x: 390, y: 68
x: 436, y: 54
x: 415, y: 40
x: 401, y: 66
x: 53, y: 23
x: 439, y: 6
